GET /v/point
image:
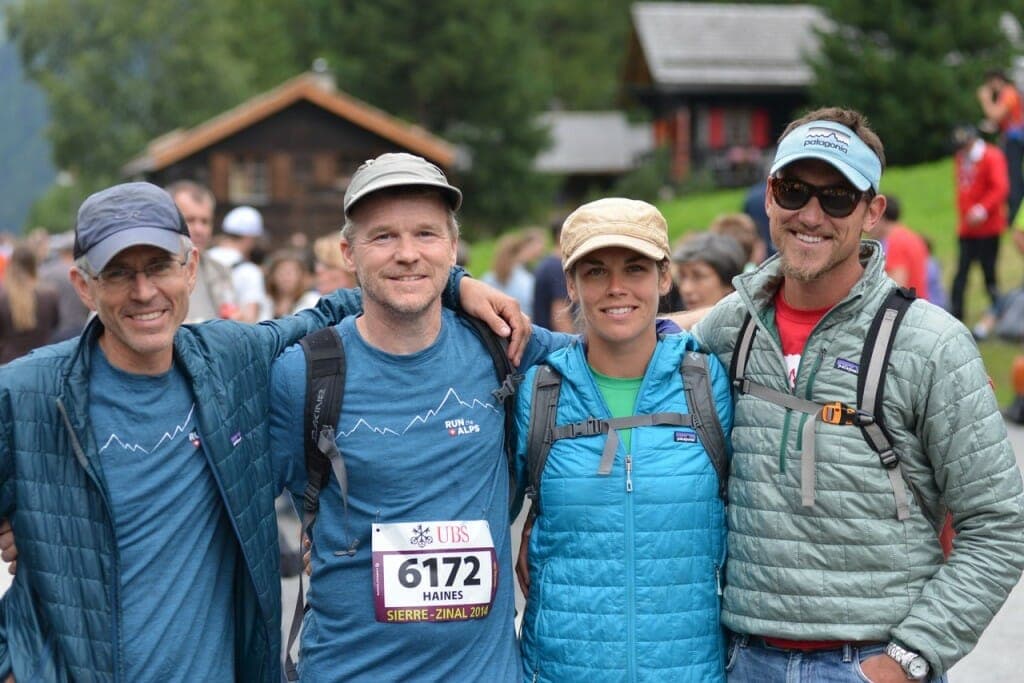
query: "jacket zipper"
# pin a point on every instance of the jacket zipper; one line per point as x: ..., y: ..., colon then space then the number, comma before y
x: 809, y: 393
x: 238, y: 536
x: 630, y: 567
x: 115, y: 616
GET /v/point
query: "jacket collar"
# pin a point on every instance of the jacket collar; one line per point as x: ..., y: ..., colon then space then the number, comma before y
x: 757, y: 288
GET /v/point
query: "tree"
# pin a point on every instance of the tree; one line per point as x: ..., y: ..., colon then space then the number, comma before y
x: 118, y: 73
x: 468, y: 71
x: 912, y: 67
x: 585, y: 50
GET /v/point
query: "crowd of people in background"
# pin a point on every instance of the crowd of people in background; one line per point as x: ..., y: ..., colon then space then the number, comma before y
x: 240, y: 279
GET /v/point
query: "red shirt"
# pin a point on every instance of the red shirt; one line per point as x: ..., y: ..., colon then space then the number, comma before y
x: 906, y: 250
x: 794, y: 327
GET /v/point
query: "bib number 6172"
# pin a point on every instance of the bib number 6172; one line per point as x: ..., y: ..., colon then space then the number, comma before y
x: 410, y: 572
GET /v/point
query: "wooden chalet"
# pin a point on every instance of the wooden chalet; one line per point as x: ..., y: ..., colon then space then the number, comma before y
x: 721, y: 80
x: 289, y: 152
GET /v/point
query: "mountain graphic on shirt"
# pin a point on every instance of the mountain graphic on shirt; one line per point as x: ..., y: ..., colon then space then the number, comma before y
x: 450, y: 395
x: 164, y: 438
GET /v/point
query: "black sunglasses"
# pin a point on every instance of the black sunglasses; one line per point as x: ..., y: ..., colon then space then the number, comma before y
x: 837, y: 201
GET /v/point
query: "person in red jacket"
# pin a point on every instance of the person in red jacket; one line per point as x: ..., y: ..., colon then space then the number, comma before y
x: 982, y: 189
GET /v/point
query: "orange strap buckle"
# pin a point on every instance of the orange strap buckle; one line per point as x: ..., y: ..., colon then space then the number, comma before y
x: 837, y: 413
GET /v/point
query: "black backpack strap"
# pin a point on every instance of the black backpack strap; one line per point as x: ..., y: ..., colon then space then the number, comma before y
x: 741, y: 354
x: 325, y: 389
x: 547, y: 384
x: 871, y: 386
x: 508, y: 380
x: 700, y: 401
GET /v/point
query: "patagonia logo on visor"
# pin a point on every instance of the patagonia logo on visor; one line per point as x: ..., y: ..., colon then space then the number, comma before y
x: 826, y: 137
x: 847, y: 366
x: 685, y: 437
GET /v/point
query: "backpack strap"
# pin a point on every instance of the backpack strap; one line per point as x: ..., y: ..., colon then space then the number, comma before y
x: 508, y: 380
x: 593, y: 426
x: 741, y: 354
x: 325, y: 389
x: 547, y: 385
x: 701, y: 403
x: 871, y: 386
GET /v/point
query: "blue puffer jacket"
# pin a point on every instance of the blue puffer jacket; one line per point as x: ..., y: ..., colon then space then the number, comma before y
x: 624, y: 584
x: 60, y: 619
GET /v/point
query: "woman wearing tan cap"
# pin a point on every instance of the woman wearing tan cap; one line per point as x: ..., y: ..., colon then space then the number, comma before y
x: 623, y: 551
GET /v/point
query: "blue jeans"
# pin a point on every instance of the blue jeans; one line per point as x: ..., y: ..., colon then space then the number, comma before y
x: 751, y: 661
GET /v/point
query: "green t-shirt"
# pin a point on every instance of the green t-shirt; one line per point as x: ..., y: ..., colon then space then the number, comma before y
x: 620, y: 395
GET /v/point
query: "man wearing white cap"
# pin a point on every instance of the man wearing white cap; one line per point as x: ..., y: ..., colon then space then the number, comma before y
x: 243, y: 227
x: 835, y: 570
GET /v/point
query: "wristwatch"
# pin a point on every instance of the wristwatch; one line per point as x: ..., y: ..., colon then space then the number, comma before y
x: 914, y: 665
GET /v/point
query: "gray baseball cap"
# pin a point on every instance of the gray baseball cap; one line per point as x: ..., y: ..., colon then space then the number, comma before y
x: 123, y: 216
x: 398, y: 169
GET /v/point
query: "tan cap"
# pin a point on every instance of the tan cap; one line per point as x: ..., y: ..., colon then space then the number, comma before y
x: 614, y: 222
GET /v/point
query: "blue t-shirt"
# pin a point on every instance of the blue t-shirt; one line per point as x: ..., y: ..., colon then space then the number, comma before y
x: 422, y: 440
x: 175, y: 545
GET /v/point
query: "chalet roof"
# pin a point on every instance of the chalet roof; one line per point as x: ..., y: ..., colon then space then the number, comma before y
x: 593, y: 142
x: 701, y: 47
x: 312, y: 87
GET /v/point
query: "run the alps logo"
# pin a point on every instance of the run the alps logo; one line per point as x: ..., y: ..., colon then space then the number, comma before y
x: 461, y: 426
x: 827, y: 137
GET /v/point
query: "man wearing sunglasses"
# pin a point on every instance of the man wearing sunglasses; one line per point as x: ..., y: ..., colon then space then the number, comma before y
x: 835, y: 571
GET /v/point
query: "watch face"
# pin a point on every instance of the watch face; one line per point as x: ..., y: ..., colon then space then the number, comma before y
x: 918, y: 667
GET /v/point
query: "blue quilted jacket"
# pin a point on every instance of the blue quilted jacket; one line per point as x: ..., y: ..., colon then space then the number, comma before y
x: 624, y: 584
x: 60, y: 620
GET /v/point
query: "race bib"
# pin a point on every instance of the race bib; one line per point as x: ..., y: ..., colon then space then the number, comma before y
x: 433, y: 571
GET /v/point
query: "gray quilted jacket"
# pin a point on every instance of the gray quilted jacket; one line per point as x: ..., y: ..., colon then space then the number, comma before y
x: 846, y: 568
x: 61, y: 618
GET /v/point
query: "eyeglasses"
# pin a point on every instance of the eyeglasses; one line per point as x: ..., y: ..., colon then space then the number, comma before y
x: 157, y: 272
x: 837, y: 201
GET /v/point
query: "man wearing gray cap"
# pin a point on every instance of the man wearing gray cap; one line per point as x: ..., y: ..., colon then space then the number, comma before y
x: 835, y: 570
x: 134, y: 469
x: 411, y: 561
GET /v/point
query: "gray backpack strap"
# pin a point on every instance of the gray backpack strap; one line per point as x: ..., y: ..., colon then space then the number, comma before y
x: 593, y: 426
x: 700, y: 401
x: 741, y: 354
x: 547, y: 384
x: 871, y: 385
